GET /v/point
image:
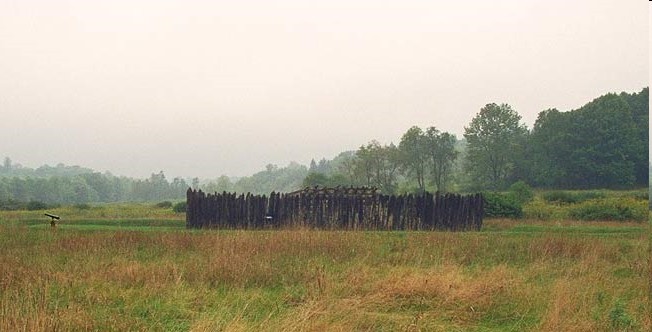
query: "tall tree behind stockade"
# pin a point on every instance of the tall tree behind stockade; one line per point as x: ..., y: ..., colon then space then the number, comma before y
x: 442, y: 153
x: 414, y: 155
x: 378, y: 165
x: 427, y: 155
x: 495, y: 139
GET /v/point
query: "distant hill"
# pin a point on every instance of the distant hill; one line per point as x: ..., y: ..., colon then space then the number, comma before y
x: 10, y: 169
x: 63, y: 184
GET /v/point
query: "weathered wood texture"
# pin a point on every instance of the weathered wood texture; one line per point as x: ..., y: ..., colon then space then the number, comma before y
x: 335, y: 208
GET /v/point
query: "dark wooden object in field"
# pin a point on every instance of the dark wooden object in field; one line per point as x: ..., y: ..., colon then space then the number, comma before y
x: 53, y: 217
x: 335, y: 208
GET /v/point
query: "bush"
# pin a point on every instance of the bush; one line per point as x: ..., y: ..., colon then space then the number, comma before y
x: 569, y: 197
x: 560, y: 197
x: 610, y: 209
x: 180, y: 207
x: 499, y: 205
x: 539, y: 210
x: 36, y: 205
x: 164, y: 205
x: 521, y: 192
x: 583, y: 196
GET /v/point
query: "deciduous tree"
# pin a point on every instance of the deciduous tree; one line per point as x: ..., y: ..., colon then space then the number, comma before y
x: 414, y: 155
x: 493, y: 136
x: 442, y: 154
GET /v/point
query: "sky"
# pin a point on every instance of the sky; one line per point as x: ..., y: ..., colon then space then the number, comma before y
x: 206, y: 88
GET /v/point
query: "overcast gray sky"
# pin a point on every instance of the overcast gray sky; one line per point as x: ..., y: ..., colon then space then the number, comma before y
x: 204, y: 88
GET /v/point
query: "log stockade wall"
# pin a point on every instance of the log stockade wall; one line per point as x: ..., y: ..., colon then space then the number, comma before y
x: 335, y: 208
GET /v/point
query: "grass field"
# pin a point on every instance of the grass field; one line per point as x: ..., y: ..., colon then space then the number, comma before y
x: 137, y: 268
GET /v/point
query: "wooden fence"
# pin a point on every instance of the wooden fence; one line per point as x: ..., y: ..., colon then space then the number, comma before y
x: 335, y: 208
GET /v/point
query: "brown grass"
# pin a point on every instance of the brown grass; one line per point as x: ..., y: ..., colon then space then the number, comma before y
x: 301, y: 280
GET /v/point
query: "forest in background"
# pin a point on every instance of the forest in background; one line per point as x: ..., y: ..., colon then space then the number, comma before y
x: 603, y: 144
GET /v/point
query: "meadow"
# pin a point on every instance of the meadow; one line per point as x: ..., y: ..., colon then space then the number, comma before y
x: 135, y: 267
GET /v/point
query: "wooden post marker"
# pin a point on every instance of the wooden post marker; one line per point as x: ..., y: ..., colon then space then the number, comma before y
x: 52, y: 219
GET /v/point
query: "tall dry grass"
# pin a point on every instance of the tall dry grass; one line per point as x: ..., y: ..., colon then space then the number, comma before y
x: 301, y: 280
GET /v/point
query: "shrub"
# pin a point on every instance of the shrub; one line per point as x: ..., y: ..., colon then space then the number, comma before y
x: 164, y: 205
x: 521, y: 192
x: 180, y: 207
x: 500, y: 205
x: 583, y: 196
x: 615, y: 209
x: 569, y: 197
x: 36, y: 205
x: 539, y: 210
x: 558, y: 197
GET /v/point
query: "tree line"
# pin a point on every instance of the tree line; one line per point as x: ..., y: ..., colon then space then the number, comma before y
x: 74, y: 185
x: 603, y: 144
x: 62, y: 184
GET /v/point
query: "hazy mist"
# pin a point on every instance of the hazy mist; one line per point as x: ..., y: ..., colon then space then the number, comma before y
x: 204, y: 88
